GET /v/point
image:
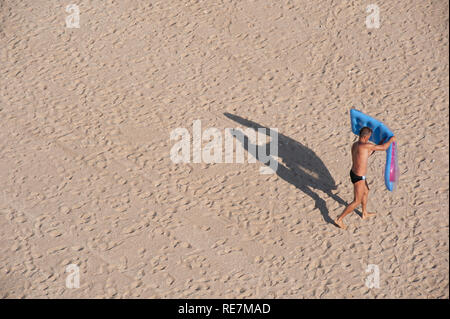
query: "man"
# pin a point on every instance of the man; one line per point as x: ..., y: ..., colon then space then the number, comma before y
x: 361, y: 150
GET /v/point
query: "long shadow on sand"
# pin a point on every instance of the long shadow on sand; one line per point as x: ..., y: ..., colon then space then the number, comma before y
x: 300, y: 166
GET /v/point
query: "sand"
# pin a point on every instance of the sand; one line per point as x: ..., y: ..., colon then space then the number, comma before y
x: 86, y: 176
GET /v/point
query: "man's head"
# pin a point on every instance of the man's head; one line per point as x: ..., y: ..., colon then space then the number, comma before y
x: 365, y: 133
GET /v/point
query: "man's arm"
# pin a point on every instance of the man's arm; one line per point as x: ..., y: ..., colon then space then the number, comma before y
x: 382, y: 147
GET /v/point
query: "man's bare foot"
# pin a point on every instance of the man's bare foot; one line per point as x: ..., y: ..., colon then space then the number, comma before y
x: 340, y: 223
x: 367, y: 215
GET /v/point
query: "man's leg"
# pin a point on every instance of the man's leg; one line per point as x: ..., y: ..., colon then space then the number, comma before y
x: 359, y: 192
x: 365, y: 213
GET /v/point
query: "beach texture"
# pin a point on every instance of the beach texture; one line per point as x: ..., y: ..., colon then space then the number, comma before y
x: 86, y: 176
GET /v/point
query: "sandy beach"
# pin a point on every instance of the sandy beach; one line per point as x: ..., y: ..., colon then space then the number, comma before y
x: 87, y: 179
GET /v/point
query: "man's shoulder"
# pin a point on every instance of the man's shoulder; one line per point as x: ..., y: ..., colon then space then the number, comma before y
x: 366, y: 145
x: 360, y: 145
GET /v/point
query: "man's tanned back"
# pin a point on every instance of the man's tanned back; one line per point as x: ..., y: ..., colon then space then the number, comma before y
x: 360, y: 156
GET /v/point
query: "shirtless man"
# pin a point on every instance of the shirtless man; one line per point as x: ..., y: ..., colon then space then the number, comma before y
x: 361, y: 150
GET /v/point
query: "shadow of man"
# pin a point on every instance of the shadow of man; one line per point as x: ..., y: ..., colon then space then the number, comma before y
x: 300, y: 166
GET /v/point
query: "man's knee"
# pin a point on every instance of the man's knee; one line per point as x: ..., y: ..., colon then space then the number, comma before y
x: 356, y: 202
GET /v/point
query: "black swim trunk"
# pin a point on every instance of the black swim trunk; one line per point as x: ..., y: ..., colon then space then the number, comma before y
x: 356, y: 178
